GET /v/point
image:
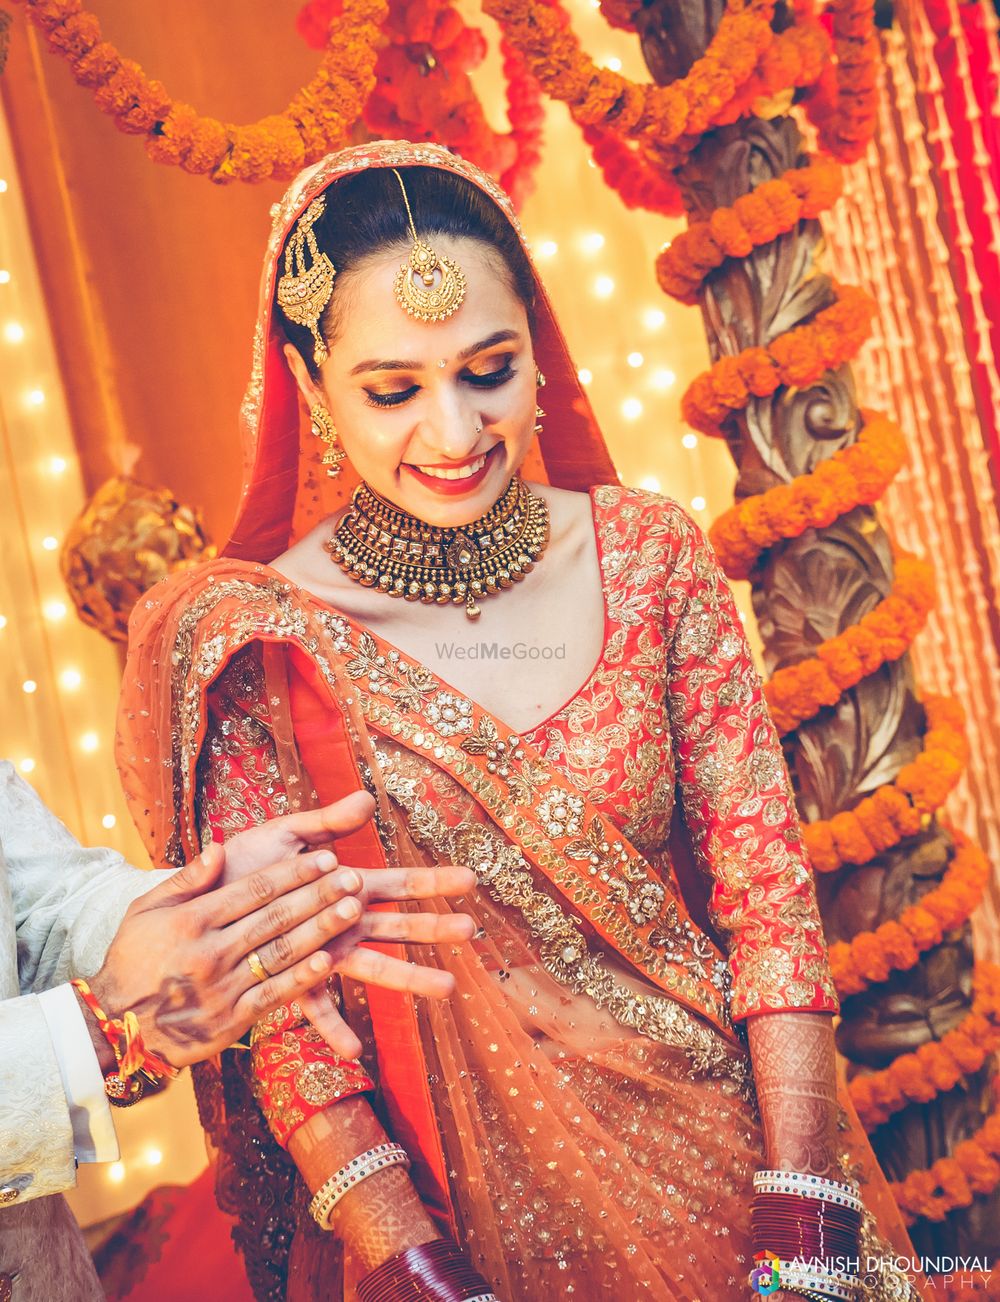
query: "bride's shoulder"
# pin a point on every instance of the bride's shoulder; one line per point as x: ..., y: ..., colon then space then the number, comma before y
x: 306, y: 563
x: 643, y: 508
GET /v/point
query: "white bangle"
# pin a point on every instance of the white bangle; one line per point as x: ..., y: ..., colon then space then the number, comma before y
x: 359, y: 1168
x: 809, y: 1186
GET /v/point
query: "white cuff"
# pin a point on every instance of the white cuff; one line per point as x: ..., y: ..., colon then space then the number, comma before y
x: 94, y: 1138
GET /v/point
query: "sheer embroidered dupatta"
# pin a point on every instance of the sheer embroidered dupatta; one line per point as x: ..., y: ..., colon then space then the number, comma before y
x: 511, y: 1114
x: 570, y: 1123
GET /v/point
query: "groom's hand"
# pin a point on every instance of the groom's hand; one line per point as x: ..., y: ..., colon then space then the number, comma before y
x: 189, y: 955
x: 302, y: 833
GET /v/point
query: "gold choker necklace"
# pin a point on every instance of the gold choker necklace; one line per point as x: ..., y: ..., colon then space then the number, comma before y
x: 380, y: 546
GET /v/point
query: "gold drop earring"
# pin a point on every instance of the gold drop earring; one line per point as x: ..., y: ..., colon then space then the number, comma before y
x: 324, y: 428
x: 539, y: 414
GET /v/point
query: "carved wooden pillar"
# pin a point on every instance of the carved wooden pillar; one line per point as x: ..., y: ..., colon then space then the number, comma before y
x: 810, y: 589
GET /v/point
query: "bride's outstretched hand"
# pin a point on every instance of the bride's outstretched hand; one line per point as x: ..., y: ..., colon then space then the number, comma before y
x: 313, y: 829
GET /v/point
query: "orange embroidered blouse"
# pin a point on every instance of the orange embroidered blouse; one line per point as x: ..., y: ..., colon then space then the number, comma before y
x: 674, y: 704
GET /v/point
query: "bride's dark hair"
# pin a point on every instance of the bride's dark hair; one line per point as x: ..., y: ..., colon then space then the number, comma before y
x: 365, y: 215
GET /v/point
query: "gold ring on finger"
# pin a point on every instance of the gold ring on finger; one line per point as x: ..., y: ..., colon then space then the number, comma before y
x: 256, y: 966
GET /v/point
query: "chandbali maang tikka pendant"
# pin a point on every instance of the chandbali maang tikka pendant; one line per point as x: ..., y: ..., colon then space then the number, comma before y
x: 428, y: 286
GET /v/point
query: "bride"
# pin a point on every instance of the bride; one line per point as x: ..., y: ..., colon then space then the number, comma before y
x: 440, y: 593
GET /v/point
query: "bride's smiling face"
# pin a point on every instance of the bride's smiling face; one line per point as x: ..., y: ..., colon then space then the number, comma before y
x: 435, y: 416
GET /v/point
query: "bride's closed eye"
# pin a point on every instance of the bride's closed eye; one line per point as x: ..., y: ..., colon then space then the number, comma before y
x: 477, y: 379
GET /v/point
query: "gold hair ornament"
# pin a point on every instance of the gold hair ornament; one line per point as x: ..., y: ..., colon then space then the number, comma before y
x: 324, y: 428
x: 303, y: 292
x: 428, y: 287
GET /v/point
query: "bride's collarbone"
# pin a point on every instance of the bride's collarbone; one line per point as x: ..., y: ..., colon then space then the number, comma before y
x: 522, y: 663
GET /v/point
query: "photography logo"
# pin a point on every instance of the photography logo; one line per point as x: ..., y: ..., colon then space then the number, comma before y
x: 764, y: 1277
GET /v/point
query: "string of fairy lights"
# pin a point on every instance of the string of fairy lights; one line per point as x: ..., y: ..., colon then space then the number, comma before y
x: 59, y: 678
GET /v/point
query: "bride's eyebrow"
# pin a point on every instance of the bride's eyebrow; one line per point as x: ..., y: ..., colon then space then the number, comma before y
x: 498, y: 337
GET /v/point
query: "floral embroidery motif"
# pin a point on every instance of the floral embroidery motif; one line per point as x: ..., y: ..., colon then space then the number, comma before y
x: 564, y: 949
x: 449, y: 714
x: 562, y: 815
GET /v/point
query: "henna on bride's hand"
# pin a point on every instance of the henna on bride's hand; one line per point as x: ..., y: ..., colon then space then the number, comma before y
x: 794, y: 1066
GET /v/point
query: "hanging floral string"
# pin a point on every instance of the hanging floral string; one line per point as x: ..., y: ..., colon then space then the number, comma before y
x: 424, y: 92
x: 797, y: 358
x: 318, y: 119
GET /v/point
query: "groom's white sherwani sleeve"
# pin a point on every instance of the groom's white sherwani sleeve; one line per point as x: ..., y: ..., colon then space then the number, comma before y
x: 60, y: 906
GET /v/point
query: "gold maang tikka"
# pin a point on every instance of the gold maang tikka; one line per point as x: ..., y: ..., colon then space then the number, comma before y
x: 304, y: 291
x: 428, y: 286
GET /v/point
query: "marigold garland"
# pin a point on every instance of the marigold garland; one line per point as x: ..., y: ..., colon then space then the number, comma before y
x: 318, y: 119
x: 900, y: 807
x: 797, y: 359
x: 843, y: 105
x: 800, y: 691
x: 973, y: 1168
x: 857, y: 475
x: 772, y: 209
x: 895, y: 946
x: 599, y: 97
x: 938, y: 1065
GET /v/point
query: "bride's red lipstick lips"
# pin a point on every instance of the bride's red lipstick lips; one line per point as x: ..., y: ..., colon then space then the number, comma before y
x: 455, y: 487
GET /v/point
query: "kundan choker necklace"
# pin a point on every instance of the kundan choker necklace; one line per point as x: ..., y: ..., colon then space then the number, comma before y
x: 380, y: 546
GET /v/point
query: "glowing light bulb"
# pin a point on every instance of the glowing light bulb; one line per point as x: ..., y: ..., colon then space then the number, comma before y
x: 3, y: 622
x: 13, y: 332
x: 604, y: 286
x: 35, y: 397
x: 743, y: 618
x: 613, y: 63
x: 548, y: 249
x: 108, y: 821
x: 54, y: 610
x: 90, y: 741
x: 27, y: 765
x: 4, y: 276
x: 697, y: 504
x: 689, y: 441
x: 57, y: 465
x: 70, y: 679
x: 653, y: 318
x: 30, y: 686
x: 635, y: 359
x: 116, y: 1172
x: 631, y: 408
x: 592, y: 243
x: 650, y: 483
x: 50, y: 543
x: 584, y: 376
x: 662, y: 379
x: 3, y: 186
x: 153, y: 1156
